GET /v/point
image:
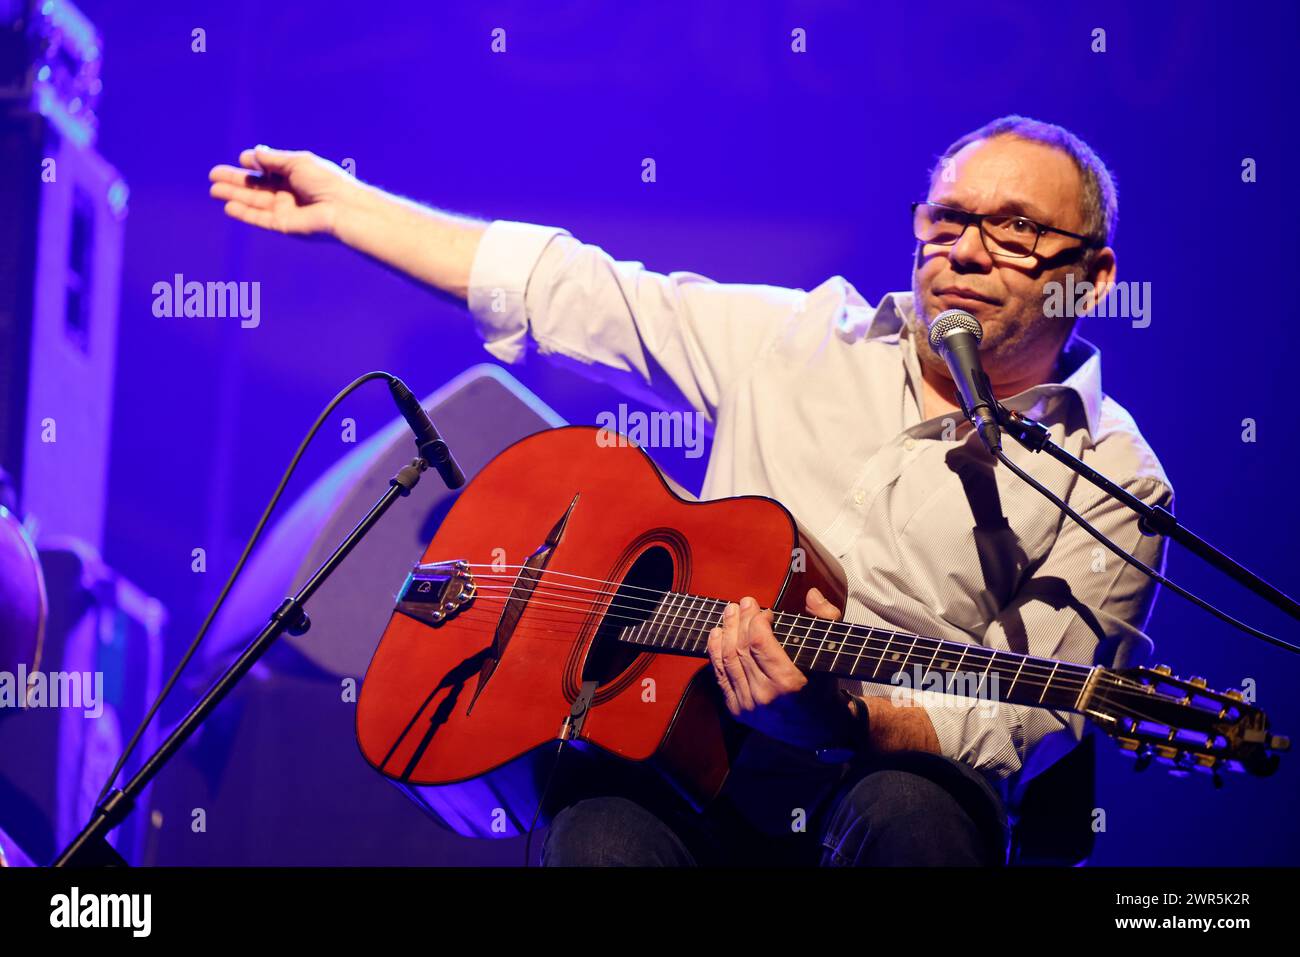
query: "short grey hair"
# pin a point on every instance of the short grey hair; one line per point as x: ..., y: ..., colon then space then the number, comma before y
x: 1100, y: 203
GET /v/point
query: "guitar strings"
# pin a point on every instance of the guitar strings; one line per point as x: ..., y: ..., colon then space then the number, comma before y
x: 1118, y: 680
x: 692, y: 619
x: 1102, y: 693
x: 1044, y: 667
x: 1108, y: 685
x: 684, y: 613
x: 1118, y: 684
x: 689, y: 626
x: 693, y: 631
x: 659, y: 595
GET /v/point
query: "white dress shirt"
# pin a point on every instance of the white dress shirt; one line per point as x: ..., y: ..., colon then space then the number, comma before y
x: 815, y: 400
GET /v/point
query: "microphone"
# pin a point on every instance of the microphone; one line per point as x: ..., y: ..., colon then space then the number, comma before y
x: 955, y: 334
x: 432, y: 448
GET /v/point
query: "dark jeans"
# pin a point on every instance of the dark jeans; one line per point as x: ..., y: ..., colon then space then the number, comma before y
x: 910, y: 809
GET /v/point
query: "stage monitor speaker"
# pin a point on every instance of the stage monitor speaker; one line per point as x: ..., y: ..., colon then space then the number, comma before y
x: 275, y: 777
x: 62, y: 209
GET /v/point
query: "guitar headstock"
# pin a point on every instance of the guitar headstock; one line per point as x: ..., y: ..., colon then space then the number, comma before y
x: 1182, y: 724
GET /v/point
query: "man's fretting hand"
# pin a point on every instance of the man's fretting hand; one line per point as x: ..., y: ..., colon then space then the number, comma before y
x: 761, y: 686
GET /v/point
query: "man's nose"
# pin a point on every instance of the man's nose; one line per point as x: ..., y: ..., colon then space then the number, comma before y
x: 970, y: 249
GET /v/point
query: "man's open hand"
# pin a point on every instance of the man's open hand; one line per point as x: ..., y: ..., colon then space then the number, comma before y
x: 760, y: 684
x: 287, y: 191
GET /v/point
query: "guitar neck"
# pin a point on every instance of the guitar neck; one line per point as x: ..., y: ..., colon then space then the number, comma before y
x: 681, y: 623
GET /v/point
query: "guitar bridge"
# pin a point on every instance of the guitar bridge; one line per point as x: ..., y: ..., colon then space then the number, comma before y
x: 434, y: 591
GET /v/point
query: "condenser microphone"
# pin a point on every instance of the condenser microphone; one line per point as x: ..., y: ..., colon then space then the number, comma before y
x: 432, y: 448
x: 955, y: 334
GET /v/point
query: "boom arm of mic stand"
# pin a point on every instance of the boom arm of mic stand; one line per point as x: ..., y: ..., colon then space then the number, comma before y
x: 1152, y: 519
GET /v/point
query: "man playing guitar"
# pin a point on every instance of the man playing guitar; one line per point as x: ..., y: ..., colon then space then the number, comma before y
x: 843, y: 412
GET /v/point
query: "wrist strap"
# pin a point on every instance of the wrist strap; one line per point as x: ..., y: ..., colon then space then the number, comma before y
x: 850, y: 729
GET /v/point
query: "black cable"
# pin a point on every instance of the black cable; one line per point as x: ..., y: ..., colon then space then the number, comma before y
x: 248, y: 549
x: 1140, y: 566
x: 541, y: 801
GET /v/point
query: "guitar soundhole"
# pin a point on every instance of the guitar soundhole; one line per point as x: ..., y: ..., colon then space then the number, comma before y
x: 646, y: 582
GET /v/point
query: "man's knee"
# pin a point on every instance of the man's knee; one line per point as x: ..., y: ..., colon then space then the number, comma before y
x: 900, y: 818
x: 612, y: 832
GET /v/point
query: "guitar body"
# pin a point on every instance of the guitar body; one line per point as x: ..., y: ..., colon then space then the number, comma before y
x: 474, y: 750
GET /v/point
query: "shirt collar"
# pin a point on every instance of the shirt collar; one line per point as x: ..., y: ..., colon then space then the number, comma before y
x: 1079, y: 368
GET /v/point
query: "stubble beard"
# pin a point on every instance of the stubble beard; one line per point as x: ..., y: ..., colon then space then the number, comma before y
x: 1004, y: 349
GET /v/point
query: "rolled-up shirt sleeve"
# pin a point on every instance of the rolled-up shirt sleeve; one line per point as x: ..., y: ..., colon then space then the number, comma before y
x: 1082, y: 604
x: 645, y: 333
x: 507, y: 254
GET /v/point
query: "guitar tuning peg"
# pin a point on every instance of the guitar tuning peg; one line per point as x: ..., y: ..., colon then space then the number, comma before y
x: 1163, y: 670
x: 1218, y: 779
x: 1144, y: 760
x: 1197, y: 681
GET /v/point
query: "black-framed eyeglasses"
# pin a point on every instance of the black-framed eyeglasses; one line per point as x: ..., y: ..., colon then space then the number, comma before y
x: 1006, y: 236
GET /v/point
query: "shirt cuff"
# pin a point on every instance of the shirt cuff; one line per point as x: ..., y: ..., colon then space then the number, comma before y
x: 970, y: 731
x: 498, y: 279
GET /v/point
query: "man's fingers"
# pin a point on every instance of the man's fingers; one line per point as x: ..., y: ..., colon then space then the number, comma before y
x: 771, y: 672
x: 747, y: 611
x: 760, y: 654
x: 763, y: 646
x: 730, y: 654
x: 720, y: 672
x: 752, y: 668
x: 260, y: 182
x: 818, y: 604
x: 264, y: 158
x: 247, y: 214
x: 225, y: 173
x: 755, y: 630
x: 256, y: 198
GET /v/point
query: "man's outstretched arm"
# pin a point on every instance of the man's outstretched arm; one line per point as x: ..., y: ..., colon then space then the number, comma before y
x: 299, y: 193
x: 679, y: 339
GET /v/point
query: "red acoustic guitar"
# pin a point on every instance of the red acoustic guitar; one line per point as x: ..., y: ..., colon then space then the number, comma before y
x: 569, y: 594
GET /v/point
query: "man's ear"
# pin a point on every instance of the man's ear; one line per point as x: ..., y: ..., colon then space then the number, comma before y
x: 1101, y: 273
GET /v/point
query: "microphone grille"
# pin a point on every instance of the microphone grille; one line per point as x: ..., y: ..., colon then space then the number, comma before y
x: 951, y: 319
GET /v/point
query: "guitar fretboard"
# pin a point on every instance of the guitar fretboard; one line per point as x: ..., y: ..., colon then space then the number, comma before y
x: 681, y: 623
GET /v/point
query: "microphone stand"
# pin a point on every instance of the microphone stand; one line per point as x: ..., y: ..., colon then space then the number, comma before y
x: 90, y: 848
x: 1152, y: 519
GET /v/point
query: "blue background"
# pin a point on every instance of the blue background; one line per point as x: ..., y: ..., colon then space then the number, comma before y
x: 773, y: 167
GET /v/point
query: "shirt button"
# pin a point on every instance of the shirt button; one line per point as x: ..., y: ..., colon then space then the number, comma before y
x: 859, y: 496
x: 909, y: 444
